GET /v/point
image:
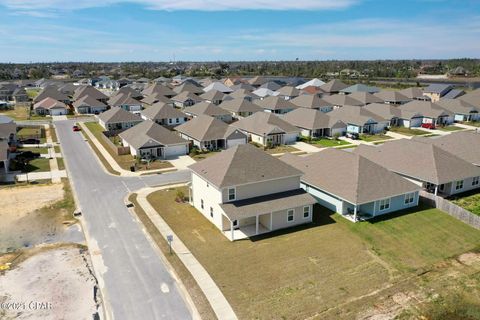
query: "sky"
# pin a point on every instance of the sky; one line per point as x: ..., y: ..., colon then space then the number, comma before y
x: 233, y: 30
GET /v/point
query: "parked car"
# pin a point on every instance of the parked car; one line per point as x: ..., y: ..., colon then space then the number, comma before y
x: 353, y: 135
x: 430, y: 126
x: 29, y: 141
x: 76, y: 128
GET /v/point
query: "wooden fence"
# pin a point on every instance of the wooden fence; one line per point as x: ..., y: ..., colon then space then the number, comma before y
x: 119, y: 150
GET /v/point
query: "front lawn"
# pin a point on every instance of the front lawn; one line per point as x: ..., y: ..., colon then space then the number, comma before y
x: 41, y: 150
x: 470, y: 201
x: 198, y: 156
x: 325, y: 143
x: 374, y: 137
x: 472, y: 123
x: 407, y: 131
x: 61, y: 164
x: 330, y: 269
x: 450, y: 128
x: 38, y: 165
x: 29, y: 132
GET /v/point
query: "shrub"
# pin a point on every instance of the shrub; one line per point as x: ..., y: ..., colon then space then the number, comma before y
x: 180, y: 196
x: 336, y: 136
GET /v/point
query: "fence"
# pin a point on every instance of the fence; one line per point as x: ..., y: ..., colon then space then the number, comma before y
x: 119, y: 150
x: 450, y: 208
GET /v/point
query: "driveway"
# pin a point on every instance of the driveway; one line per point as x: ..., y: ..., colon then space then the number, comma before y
x: 133, y: 278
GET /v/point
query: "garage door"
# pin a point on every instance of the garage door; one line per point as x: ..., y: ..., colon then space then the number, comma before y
x: 234, y: 142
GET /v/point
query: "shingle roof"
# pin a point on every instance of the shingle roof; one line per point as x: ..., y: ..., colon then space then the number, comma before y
x: 342, y: 100
x: 275, y: 103
x: 156, y: 88
x: 360, y: 87
x: 88, y: 101
x: 333, y: 86
x: 160, y: 111
x: 117, y: 114
x: 6, y: 129
x: 264, y: 92
x: 312, y: 83
x: 218, y: 86
x: 473, y: 98
x: 206, y: 128
x: 426, y: 108
x: 149, y: 134
x: 186, y: 95
x: 355, y: 115
x: 311, y: 119
x: 392, y: 96
x: 288, y: 91
x: 438, y: 88
x: 49, y: 103
x: 262, y: 123
x: 240, y: 105
x: 88, y: 90
x: 271, y: 85
x: 154, y: 98
x: 349, y: 176
x: 453, y: 94
x: 123, y: 100
x: 213, y: 95
x: 425, y: 162
x: 387, y: 111
x: 413, y: 93
x: 51, y: 92
x: 309, y: 101
x: 189, y: 87
x: 365, y: 97
x: 242, y: 164
x: 208, y: 109
x: 457, y: 106
x: 3, y: 150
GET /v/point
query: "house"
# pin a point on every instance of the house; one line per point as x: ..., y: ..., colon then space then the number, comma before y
x: 126, y: 102
x: 472, y: 98
x: 427, y: 165
x: 218, y: 86
x: 454, y: 94
x: 268, y: 129
x: 462, y: 111
x: 207, y: 133
x: 271, y: 85
x: 276, y: 105
x: 313, y: 91
x: 149, y: 140
x: 214, y: 96
x: 340, y: 100
x: 244, y: 94
x: 159, y: 89
x: 189, y: 87
x: 333, y: 87
x: 414, y: 94
x: 314, y: 123
x: 360, y: 87
x: 359, y: 120
x: 396, y: 116
x: 312, y: 101
x: 154, y: 98
x: 7, y: 90
x: 392, y: 97
x: 458, y: 71
x: 352, y: 185
x: 185, y: 99
x: 20, y: 96
x: 244, y: 192
x: 130, y: 91
x: 463, y: 144
x: 209, y: 109
x: 67, y: 88
x: 262, y: 93
x: 88, y: 104
x: 257, y: 81
x: 432, y: 113
x: 288, y: 92
x: 89, y: 91
x: 240, y: 108
x: 118, y: 119
x: 8, y: 130
x: 435, y: 91
x: 164, y: 114
x: 365, y: 97
x: 243, y: 86
x: 108, y: 84
x: 312, y: 83
x: 53, y: 93
x: 50, y: 106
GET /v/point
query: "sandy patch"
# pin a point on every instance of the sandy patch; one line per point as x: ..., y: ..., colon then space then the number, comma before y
x: 54, y: 283
x: 469, y: 258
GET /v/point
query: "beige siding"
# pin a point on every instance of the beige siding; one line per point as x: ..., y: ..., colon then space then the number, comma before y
x: 279, y: 219
x: 211, y: 198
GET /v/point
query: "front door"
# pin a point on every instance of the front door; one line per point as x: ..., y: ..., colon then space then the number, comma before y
x: 235, y: 224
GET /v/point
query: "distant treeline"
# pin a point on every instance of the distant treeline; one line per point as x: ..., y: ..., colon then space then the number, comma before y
x: 308, y: 69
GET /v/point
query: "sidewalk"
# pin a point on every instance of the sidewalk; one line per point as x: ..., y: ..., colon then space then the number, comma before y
x: 214, y: 295
x: 112, y: 161
x: 43, y: 175
x: 56, y: 176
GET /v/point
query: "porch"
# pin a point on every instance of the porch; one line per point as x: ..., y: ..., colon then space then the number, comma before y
x: 244, y: 228
x: 245, y: 232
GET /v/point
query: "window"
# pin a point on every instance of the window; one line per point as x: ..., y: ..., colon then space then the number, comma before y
x: 290, y: 215
x: 384, y: 204
x: 170, y: 120
x: 231, y: 194
x: 201, y: 203
x: 459, y: 185
x: 306, y: 212
x: 475, y: 181
x: 177, y: 120
x: 211, y: 212
x: 409, y: 198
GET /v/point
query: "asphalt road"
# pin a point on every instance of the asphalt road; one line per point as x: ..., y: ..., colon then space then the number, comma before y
x: 134, y: 280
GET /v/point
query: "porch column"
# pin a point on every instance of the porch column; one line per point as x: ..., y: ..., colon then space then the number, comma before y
x: 355, y: 213
x: 256, y: 224
x: 271, y: 221
x: 190, y: 194
x: 436, y: 189
x: 231, y: 230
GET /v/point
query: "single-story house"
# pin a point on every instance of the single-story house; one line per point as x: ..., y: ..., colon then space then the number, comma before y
x: 164, y: 114
x: 126, y: 102
x: 185, y: 99
x: 311, y: 83
x: 365, y: 97
x: 472, y: 98
x: 360, y: 87
x: 152, y: 141
x: 392, y: 97
x: 288, y: 92
x: 352, y: 185
x: 312, y: 101
x: 8, y: 130
x: 333, y: 87
x: 429, y: 166
x: 4, y: 159
x: 90, y: 91
x: 275, y: 104
x: 396, y: 116
x: 209, y: 109
x: 240, y: 108
x: 217, y: 86
x: 154, y: 98
x: 268, y: 129
x: 314, y: 123
x: 245, y: 192
x: 462, y: 111
x: 118, y: 119
x: 52, y: 92
x: 432, y: 112
x: 262, y: 93
x: 214, y: 96
x: 207, y: 133
x: 360, y: 120
x: 414, y: 93
x: 188, y: 87
x: 454, y: 94
x: 340, y: 100
x: 88, y: 104
x: 51, y: 107
x: 243, y: 94
x: 156, y: 88
x: 435, y: 91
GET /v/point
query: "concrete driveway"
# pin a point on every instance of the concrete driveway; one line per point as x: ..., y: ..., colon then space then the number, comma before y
x: 134, y: 281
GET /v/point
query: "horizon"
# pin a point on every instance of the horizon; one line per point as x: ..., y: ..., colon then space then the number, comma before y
x: 118, y: 31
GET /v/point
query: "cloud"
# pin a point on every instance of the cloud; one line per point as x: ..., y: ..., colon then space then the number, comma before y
x: 30, y: 7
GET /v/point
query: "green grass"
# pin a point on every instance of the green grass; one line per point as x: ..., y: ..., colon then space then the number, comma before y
x: 32, y: 93
x: 38, y: 165
x: 407, y: 131
x: 53, y: 133
x: 61, y: 164
x: 347, y: 146
x: 57, y: 149
x: 324, y: 142
x: 29, y: 132
x: 374, y: 137
x: 18, y: 113
x: 473, y: 123
x: 470, y: 201
x: 40, y: 150
x: 449, y: 128
x: 314, y: 269
x: 431, y: 135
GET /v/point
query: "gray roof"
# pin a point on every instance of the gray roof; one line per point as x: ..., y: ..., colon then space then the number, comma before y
x: 365, y: 97
x: 333, y: 86
x: 186, y: 95
x: 311, y: 119
x: 264, y: 92
x: 242, y: 164
x: 355, y: 115
x: 312, y: 101
x: 160, y: 111
x: 6, y: 129
x: 208, y: 109
x: 463, y: 144
x: 206, y: 128
x: 213, y: 95
x: 89, y: 90
x: 217, y: 86
x: 88, y: 101
x: 360, y: 87
x: 392, y: 96
x: 288, y: 91
x: 453, y: 94
x: 388, y: 111
x: 438, y: 88
x: 271, y: 85
x: 426, y: 108
x: 413, y: 93
x: 457, y: 106
x: 424, y: 162
x: 149, y: 134
x: 349, y: 176
x: 3, y: 150
x: 240, y: 105
x: 342, y: 100
x: 266, y: 204
x: 156, y: 88
x: 189, y: 87
x: 5, y: 119
x: 49, y: 103
x: 275, y: 103
x: 263, y: 123
x: 117, y: 114
x: 51, y: 92
x: 154, y: 98
x: 473, y: 98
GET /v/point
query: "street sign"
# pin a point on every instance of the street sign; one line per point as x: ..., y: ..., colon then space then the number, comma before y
x: 170, y: 239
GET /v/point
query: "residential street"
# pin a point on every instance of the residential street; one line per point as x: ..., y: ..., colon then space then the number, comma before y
x: 134, y: 280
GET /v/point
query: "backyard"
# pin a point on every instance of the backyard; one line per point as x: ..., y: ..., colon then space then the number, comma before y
x: 328, y: 269
x: 22, y: 113
x: 469, y: 201
x: 407, y: 131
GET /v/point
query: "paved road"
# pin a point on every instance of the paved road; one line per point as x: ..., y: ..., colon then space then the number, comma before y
x: 134, y: 281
